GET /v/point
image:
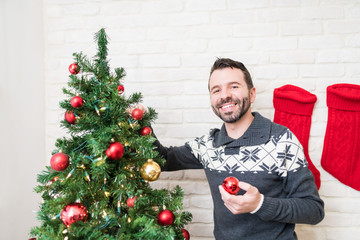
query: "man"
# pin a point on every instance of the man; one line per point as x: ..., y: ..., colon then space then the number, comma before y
x: 277, y: 188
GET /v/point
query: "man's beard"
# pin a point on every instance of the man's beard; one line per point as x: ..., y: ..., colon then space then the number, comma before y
x: 232, y: 117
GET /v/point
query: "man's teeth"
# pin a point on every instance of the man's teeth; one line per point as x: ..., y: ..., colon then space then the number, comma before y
x: 227, y: 106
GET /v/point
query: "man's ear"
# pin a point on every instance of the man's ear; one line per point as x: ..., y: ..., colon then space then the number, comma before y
x: 252, y: 95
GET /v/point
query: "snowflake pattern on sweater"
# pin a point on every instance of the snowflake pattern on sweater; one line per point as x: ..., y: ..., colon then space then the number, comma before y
x: 279, y: 155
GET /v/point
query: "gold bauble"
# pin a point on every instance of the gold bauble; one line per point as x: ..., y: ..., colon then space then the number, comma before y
x: 150, y: 171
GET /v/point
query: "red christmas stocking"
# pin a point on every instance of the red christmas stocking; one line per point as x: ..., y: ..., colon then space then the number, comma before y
x: 341, y: 153
x: 293, y: 109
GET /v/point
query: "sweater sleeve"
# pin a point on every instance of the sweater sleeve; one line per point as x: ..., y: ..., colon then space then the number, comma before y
x: 178, y: 158
x: 301, y: 202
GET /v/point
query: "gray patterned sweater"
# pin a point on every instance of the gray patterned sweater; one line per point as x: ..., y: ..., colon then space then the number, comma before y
x: 269, y: 157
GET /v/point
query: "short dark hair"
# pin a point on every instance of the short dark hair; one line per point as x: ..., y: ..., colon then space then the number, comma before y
x: 222, y: 63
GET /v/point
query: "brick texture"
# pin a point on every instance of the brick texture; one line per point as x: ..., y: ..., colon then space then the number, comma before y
x: 167, y: 48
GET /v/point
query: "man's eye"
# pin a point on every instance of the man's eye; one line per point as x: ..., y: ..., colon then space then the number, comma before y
x: 215, y: 91
x: 235, y: 86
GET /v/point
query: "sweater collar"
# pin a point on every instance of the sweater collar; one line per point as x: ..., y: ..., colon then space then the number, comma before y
x: 257, y: 133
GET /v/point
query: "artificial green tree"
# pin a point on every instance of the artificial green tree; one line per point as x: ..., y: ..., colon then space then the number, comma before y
x: 97, y: 185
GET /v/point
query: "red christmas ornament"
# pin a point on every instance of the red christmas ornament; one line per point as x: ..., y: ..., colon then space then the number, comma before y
x: 70, y: 117
x: 76, y: 101
x: 131, y: 202
x: 231, y: 185
x: 74, y: 68
x: 115, y: 151
x: 73, y: 212
x: 59, y: 161
x: 121, y: 89
x: 186, y: 234
x: 146, y: 131
x: 137, y: 114
x: 165, y: 217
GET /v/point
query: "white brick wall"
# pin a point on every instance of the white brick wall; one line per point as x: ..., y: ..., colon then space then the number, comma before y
x: 167, y: 48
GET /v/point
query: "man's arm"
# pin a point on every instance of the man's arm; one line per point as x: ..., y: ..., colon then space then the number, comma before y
x: 178, y: 158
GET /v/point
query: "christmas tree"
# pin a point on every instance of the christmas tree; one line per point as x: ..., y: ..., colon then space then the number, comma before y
x: 97, y: 185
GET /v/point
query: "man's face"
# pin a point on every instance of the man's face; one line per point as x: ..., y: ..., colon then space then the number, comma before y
x: 229, y: 95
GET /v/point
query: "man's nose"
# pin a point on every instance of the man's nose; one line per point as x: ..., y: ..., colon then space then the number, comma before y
x: 225, y: 93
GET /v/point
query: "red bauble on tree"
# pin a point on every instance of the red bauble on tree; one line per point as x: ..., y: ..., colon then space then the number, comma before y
x: 72, y: 213
x: 70, y: 117
x: 59, y: 161
x: 231, y: 185
x: 186, y: 234
x: 115, y: 151
x: 131, y: 202
x: 165, y: 217
x: 137, y: 114
x: 146, y: 131
x: 74, y: 68
x: 76, y: 101
x: 121, y: 89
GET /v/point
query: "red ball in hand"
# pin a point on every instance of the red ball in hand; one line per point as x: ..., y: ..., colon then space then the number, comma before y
x: 186, y: 234
x: 165, y: 217
x: 72, y: 213
x: 70, y: 117
x: 146, y: 131
x: 76, y: 101
x: 131, y: 202
x: 137, y: 114
x: 231, y: 185
x: 59, y: 161
x: 74, y: 68
x: 115, y: 151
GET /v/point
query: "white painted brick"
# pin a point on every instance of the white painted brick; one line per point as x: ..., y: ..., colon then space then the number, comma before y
x: 189, y: 102
x: 199, y: 60
x: 255, y: 30
x: 295, y: 57
x: 276, y: 71
x: 81, y: 9
x: 198, y: 174
x: 279, y: 14
x: 200, y: 116
x: 333, y: 189
x: 193, y: 187
x: 322, y: 12
x: 335, y: 233
x: 230, y: 45
x: 145, y: 47
x: 170, y: 117
x: 186, y: 46
x: 167, y: 33
x: 202, y: 202
x: 248, y: 4
x: 288, y: 43
x: 205, y: 5
x: 343, y: 55
x: 321, y: 42
x: 159, y: 60
x: 192, y: 74
x: 201, y: 230
x: 188, y: 19
x: 310, y: 232
x: 202, y: 215
x: 233, y: 17
x: 353, y: 40
x: 162, y: 6
x: 329, y: 70
x: 343, y: 27
x: 295, y: 29
x: 209, y: 31
x: 117, y: 8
